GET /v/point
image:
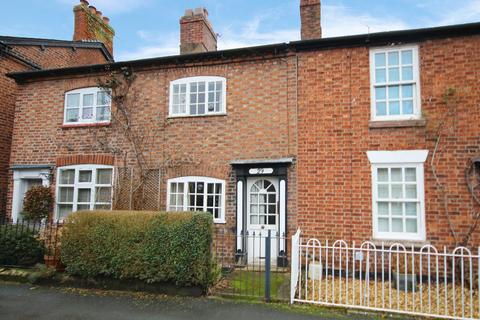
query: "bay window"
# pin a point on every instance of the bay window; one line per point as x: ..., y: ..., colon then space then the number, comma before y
x: 83, y: 187
x: 197, y: 194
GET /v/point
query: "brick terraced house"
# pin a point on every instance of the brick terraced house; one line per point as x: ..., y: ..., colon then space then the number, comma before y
x: 334, y: 136
x: 23, y: 54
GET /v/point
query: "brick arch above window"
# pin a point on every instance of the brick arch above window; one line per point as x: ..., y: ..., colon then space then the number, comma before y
x: 105, y: 159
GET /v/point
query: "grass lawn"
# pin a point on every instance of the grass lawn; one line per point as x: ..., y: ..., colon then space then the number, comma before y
x: 252, y: 284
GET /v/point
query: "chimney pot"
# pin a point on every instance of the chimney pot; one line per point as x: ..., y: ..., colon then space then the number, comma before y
x: 106, y: 20
x: 310, y: 13
x: 92, y: 9
x: 99, y: 13
x: 188, y: 12
x: 84, y: 2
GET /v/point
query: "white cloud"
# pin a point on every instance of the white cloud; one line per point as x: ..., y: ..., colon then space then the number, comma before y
x: 461, y: 14
x: 165, y: 45
x: 341, y: 21
x: 112, y: 6
x: 336, y: 21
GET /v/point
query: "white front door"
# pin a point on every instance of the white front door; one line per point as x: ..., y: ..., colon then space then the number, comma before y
x: 262, y: 215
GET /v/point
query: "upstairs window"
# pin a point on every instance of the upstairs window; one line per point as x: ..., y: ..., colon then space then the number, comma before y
x: 395, y: 86
x: 197, y: 194
x: 197, y: 96
x: 87, y: 105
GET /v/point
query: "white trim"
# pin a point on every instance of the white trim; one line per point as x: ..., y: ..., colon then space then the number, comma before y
x: 187, y: 81
x: 82, y: 185
x: 205, y: 180
x: 239, y: 215
x: 282, y: 212
x: 415, y: 81
x: 82, y: 92
x: 401, y: 156
x: 19, y: 177
x: 399, y: 159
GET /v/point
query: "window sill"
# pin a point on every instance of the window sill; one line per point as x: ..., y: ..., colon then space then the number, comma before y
x: 417, y: 244
x: 219, y: 221
x: 379, y: 124
x: 82, y: 125
x: 198, y: 116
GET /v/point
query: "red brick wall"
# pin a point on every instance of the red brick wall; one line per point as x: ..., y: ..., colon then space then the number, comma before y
x: 260, y: 123
x: 334, y: 175
x: 8, y: 89
x: 58, y: 57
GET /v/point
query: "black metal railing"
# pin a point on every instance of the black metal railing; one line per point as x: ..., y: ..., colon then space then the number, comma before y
x: 24, y: 243
x: 254, y: 264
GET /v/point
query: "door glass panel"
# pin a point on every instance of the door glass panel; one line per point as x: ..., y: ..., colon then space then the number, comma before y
x: 263, y: 200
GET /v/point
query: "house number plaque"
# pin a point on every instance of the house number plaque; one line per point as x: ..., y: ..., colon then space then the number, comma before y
x: 260, y: 171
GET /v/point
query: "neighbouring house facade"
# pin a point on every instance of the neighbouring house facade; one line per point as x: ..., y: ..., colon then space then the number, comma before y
x: 23, y: 54
x: 330, y: 135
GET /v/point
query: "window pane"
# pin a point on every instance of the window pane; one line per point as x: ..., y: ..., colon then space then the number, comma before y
x: 87, y: 100
x: 410, y: 174
x: 253, y: 219
x: 201, y: 87
x: 382, y: 208
x: 103, y: 194
x: 193, y: 87
x: 380, y: 93
x: 411, y: 225
x: 104, y: 176
x: 87, y: 113
x: 380, y: 76
x: 84, y: 195
x: 271, y: 220
x: 383, y: 191
x: 67, y: 176
x: 183, y: 88
x: 72, y: 115
x: 383, y: 225
x: 407, y: 91
x: 83, y: 207
x: 201, y: 108
x: 180, y: 200
x: 407, y: 73
x: 394, y: 108
x: 180, y: 187
x: 63, y: 210
x: 411, y: 191
x: 393, y: 74
x: 193, y: 109
x: 382, y: 174
x: 397, y: 174
x: 173, y: 201
x: 393, y: 58
x: 176, y: 88
x: 211, y: 86
x: 411, y: 209
x: 397, y: 208
x: 103, y: 113
x: 397, y: 225
x: 272, y: 209
x: 65, y: 194
x: 73, y: 100
x: 85, y: 176
x: 381, y: 109
x: 209, y: 201
x: 397, y: 191
x: 103, y: 98
x: 393, y: 92
x: 262, y: 209
x: 379, y: 60
x: 407, y: 57
x: 102, y: 207
x: 408, y: 107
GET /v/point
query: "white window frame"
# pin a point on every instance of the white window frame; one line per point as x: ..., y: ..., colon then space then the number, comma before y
x: 187, y: 81
x: 399, y: 159
x: 83, y: 92
x: 205, y: 180
x: 415, y: 81
x: 79, y: 185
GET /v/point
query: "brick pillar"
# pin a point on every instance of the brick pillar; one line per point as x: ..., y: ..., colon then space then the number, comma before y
x: 196, y: 32
x: 91, y: 25
x: 310, y: 19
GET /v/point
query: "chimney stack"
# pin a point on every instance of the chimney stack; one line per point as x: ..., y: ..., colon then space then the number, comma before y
x: 310, y: 19
x: 196, y: 32
x: 91, y: 25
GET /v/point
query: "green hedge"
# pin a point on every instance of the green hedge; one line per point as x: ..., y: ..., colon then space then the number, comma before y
x: 149, y: 246
x: 19, y: 246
